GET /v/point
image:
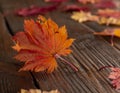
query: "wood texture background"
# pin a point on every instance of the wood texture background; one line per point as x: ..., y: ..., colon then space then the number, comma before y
x: 89, y: 54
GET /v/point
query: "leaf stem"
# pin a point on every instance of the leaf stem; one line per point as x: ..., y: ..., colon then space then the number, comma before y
x: 70, y: 64
x: 112, y: 43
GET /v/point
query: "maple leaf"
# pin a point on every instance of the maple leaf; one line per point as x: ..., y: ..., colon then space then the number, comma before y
x: 109, y: 32
x: 35, y: 10
x: 84, y: 16
x: 115, y: 77
x: 41, y: 43
x: 38, y: 91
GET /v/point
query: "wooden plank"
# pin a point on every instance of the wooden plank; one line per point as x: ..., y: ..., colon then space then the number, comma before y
x: 12, y: 81
x: 97, y: 28
x: 89, y: 54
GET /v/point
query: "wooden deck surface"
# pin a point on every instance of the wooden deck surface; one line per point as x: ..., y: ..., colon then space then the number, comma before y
x: 89, y: 54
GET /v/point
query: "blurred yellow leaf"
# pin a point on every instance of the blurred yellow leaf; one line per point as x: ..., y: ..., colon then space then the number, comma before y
x: 84, y: 16
x: 38, y: 91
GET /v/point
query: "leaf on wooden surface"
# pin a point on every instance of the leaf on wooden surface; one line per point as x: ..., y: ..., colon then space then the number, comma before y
x: 105, y: 4
x: 73, y: 7
x: 88, y: 1
x: 109, y: 32
x: 38, y: 91
x: 109, y: 16
x: 114, y: 76
x: 57, y: 1
x: 84, y: 16
x: 41, y: 43
x: 35, y: 10
x: 109, y: 21
x: 109, y: 13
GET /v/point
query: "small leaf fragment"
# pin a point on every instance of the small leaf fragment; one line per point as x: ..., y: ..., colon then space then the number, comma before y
x: 38, y: 91
x: 114, y: 76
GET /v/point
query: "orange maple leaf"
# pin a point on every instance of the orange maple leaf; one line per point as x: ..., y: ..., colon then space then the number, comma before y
x: 41, y: 43
x: 109, y: 16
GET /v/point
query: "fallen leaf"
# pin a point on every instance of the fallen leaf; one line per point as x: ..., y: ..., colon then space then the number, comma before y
x: 88, y: 1
x: 84, y: 16
x: 109, y: 21
x: 35, y: 10
x: 38, y: 91
x: 41, y: 43
x: 73, y: 7
x: 114, y: 76
x: 109, y: 32
x: 109, y: 16
x: 109, y: 13
x: 57, y: 1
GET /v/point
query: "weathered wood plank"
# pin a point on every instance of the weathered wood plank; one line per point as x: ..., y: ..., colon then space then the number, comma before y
x: 12, y: 81
x: 97, y: 28
x: 6, y: 52
x: 8, y: 8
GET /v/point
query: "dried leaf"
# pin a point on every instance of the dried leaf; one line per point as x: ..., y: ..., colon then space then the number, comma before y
x: 115, y: 77
x: 38, y: 91
x: 109, y: 21
x: 73, y: 7
x: 41, y: 43
x: 105, y: 4
x: 35, y: 10
x: 84, y: 16
x: 109, y: 32
x: 88, y: 1
x: 57, y: 1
